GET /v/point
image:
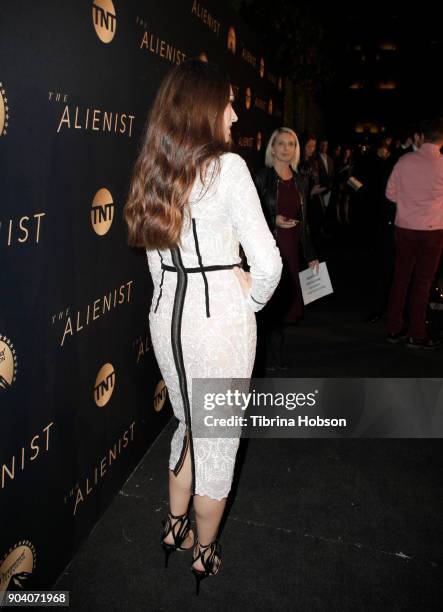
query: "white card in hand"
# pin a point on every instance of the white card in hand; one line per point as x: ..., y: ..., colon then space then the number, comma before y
x: 313, y: 285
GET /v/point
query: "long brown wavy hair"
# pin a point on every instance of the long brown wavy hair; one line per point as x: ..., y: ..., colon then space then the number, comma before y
x: 183, y: 135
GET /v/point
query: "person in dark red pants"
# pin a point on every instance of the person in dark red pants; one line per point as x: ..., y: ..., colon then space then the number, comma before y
x: 416, y: 186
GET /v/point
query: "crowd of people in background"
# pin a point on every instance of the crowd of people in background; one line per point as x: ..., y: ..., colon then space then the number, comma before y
x: 343, y: 189
x: 349, y: 182
x: 348, y: 194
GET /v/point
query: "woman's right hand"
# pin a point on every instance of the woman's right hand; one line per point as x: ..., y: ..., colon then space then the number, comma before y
x: 284, y: 223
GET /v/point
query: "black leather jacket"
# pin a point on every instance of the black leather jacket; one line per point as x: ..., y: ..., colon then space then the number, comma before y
x: 266, y: 181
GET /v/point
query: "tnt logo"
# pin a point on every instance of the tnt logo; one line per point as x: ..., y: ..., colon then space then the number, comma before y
x: 160, y: 396
x: 262, y: 68
x: 102, y: 213
x: 104, y: 385
x: 248, y: 98
x: 232, y: 40
x: 104, y: 19
x: 258, y: 141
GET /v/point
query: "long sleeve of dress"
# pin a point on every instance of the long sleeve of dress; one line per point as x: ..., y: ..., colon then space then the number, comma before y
x: 154, y: 263
x: 253, y: 234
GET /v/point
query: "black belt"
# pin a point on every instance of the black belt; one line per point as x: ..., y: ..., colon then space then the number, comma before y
x: 202, y: 268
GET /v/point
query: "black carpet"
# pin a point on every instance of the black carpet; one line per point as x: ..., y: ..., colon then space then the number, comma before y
x: 320, y: 524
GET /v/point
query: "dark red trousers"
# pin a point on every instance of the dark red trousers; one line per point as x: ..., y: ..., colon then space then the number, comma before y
x: 418, y: 254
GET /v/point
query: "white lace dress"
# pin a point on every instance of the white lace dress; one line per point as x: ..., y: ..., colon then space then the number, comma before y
x: 202, y: 325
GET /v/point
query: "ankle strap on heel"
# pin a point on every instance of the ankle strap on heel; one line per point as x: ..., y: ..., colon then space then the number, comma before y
x: 208, y: 561
x: 178, y: 515
x: 179, y: 529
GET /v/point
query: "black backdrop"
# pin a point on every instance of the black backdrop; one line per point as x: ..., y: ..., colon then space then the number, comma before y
x: 81, y: 395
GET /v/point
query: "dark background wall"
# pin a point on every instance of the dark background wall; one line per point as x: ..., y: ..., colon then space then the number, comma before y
x: 80, y: 392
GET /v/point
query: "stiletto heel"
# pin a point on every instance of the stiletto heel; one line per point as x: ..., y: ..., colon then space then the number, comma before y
x: 179, y: 534
x: 210, y: 562
x: 167, y: 549
x: 198, y: 578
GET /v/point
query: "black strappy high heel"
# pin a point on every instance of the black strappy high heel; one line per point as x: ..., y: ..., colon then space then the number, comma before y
x: 209, y: 562
x: 178, y: 533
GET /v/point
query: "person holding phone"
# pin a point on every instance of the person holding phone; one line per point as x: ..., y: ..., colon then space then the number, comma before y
x: 284, y: 194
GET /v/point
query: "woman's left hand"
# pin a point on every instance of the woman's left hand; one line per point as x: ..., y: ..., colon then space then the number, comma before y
x: 314, y: 264
x: 245, y: 280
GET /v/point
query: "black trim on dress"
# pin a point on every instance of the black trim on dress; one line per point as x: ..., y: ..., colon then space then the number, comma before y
x: 257, y: 302
x: 177, y: 351
x: 205, y: 268
x: 200, y: 261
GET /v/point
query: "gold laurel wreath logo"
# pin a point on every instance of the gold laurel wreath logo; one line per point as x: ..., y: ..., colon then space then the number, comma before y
x: 16, y: 566
x: 4, y: 111
x: 8, y: 363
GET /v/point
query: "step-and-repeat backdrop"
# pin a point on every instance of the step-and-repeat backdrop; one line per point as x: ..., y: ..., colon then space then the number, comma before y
x: 81, y: 395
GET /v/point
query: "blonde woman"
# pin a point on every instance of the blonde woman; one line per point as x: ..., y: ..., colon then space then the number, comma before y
x: 284, y: 195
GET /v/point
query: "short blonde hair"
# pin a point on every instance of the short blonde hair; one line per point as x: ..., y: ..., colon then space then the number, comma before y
x: 269, y: 158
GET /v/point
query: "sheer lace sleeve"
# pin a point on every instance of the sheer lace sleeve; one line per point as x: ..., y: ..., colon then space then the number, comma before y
x: 253, y: 233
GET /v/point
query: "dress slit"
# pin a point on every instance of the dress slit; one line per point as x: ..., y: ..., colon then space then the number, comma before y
x: 177, y: 351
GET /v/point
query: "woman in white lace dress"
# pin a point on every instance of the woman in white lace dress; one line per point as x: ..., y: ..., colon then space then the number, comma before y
x: 192, y: 203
